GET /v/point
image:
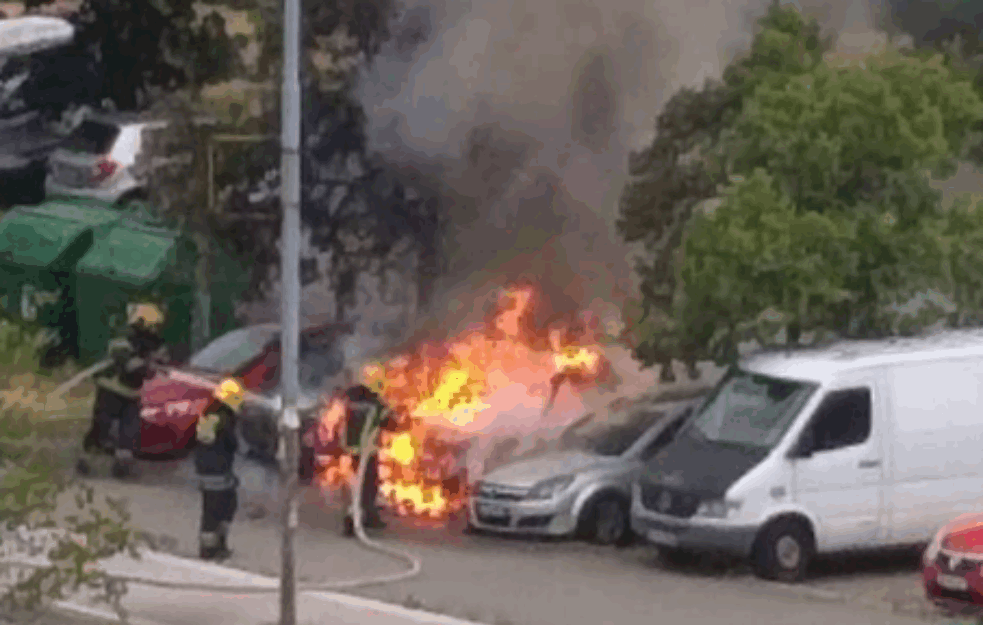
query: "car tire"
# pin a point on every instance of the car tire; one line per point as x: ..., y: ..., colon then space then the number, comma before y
x: 784, y: 551
x: 607, y: 521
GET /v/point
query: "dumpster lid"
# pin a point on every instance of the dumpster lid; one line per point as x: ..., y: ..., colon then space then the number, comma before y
x: 129, y: 256
x: 36, y: 240
x: 93, y: 213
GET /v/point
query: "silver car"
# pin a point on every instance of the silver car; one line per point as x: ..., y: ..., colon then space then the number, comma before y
x: 583, y: 488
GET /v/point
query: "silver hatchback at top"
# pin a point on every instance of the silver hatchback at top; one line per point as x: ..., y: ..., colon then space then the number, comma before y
x: 583, y: 488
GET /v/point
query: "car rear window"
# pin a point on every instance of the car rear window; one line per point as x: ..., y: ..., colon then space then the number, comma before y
x: 92, y: 137
x: 233, y: 350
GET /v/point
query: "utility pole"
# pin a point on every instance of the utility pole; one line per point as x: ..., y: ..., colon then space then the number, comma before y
x: 290, y: 318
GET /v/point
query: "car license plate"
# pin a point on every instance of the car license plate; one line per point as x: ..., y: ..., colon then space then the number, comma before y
x: 496, y: 511
x: 953, y: 582
x: 665, y: 539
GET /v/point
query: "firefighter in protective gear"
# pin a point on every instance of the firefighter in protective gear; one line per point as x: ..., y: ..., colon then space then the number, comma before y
x: 215, y: 451
x: 367, y: 413
x: 118, y: 389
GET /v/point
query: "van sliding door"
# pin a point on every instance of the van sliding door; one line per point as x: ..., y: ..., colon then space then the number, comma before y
x: 937, y: 445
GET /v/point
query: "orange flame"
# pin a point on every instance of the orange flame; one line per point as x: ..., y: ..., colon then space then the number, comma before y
x: 446, y: 392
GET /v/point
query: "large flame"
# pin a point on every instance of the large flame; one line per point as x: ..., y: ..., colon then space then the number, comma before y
x: 444, y: 393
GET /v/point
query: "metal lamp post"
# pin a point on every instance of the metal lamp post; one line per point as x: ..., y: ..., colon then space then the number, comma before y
x: 290, y: 319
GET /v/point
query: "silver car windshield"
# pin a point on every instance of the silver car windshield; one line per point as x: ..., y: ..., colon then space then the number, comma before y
x: 612, y: 439
x: 749, y: 410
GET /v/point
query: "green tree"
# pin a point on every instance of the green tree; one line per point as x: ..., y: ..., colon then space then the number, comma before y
x: 675, y: 175
x: 951, y: 27
x: 755, y: 265
x: 125, y: 49
x: 845, y: 227
x: 57, y: 524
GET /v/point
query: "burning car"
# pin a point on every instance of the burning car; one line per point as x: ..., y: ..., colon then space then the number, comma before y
x: 584, y: 487
x: 952, y: 565
x: 174, y: 398
x: 504, y: 374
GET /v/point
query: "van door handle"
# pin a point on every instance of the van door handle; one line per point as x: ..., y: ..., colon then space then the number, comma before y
x: 869, y: 464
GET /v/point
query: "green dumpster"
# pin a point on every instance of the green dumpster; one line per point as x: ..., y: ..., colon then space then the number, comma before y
x: 133, y: 263
x: 39, y: 247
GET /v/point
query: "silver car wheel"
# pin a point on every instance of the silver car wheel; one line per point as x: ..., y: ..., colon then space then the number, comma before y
x: 788, y: 552
x: 611, y: 522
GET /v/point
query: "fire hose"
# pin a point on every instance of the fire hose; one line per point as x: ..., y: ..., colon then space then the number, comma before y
x: 368, y: 447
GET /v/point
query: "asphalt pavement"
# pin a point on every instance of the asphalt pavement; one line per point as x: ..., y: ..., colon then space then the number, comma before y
x: 493, y: 580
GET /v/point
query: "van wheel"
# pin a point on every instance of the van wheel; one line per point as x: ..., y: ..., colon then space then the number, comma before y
x: 783, y: 551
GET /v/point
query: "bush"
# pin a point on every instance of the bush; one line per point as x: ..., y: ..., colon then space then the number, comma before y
x: 47, y: 551
x: 20, y: 345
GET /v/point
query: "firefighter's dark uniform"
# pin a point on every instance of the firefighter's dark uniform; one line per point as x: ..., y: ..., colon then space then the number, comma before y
x: 118, y: 395
x: 365, y: 410
x: 214, y: 456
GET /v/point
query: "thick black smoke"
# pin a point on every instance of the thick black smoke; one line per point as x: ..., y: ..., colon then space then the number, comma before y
x: 520, y: 116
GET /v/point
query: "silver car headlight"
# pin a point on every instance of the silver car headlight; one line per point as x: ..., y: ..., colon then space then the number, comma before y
x: 548, y: 489
x: 718, y: 508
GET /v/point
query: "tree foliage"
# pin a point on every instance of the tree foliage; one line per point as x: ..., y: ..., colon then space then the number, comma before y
x: 675, y: 174
x: 124, y: 49
x: 827, y: 221
x: 952, y: 27
x: 54, y: 531
x: 353, y: 205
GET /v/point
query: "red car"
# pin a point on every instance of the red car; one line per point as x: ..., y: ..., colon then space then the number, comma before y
x: 174, y: 398
x: 952, y: 566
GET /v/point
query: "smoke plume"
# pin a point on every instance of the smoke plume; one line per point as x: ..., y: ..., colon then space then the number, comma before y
x: 521, y: 116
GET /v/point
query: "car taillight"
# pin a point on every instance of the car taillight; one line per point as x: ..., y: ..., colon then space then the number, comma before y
x: 104, y: 169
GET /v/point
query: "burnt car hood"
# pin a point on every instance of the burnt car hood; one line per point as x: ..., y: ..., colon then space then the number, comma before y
x: 702, y: 468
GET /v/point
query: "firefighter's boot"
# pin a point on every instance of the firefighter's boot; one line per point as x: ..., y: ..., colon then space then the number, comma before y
x: 208, y: 545
x: 373, y: 520
x: 223, y: 552
x: 123, y: 465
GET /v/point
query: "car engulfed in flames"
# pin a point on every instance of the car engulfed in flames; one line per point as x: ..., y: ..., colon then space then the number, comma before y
x: 504, y: 374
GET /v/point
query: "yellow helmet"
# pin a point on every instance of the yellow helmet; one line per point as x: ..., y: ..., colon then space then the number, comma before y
x: 147, y: 315
x: 374, y: 377
x: 231, y: 393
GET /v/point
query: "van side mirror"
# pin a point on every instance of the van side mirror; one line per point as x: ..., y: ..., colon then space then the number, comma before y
x: 804, y: 448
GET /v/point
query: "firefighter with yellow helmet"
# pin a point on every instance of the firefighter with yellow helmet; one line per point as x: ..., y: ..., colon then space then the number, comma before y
x: 367, y: 413
x: 215, y: 451
x: 118, y: 389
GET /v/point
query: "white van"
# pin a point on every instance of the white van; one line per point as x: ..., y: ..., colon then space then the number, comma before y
x: 864, y: 444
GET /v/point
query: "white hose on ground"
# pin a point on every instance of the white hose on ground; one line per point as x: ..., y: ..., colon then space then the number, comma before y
x: 368, y: 448
x: 415, y: 564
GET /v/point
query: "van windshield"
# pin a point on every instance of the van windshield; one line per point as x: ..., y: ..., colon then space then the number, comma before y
x: 749, y: 410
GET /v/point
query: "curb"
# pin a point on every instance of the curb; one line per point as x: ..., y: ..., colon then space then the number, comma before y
x: 351, y: 601
x: 98, y: 613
